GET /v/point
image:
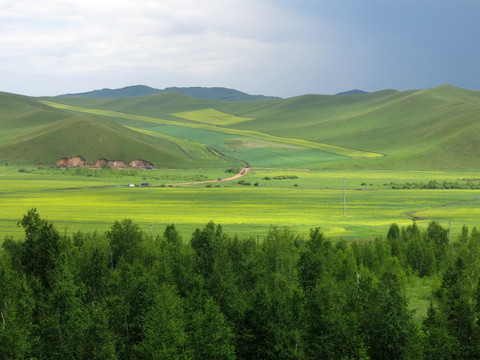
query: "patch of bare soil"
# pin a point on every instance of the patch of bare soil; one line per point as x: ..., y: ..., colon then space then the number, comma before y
x: 75, y: 161
x: 79, y: 161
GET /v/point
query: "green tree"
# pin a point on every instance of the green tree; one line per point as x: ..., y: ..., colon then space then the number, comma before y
x: 132, y: 296
x: 473, y: 257
x: 210, y: 336
x: 274, y: 319
x: 93, y: 275
x: 439, y: 238
x: 98, y: 342
x: 397, y: 243
x: 331, y: 329
x: 274, y: 324
x: 125, y: 241
x: 61, y: 318
x: 17, y: 340
x: 204, y: 243
x: 421, y: 256
x: 455, y: 304
x: 42, y: 247
x: 165, y: 334
x: 314, y: 261
x: 172, y: 236
x: 391, y: 333
x: 437, y: 343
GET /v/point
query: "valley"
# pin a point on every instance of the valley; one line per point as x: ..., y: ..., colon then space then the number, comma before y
x: 375, y: 141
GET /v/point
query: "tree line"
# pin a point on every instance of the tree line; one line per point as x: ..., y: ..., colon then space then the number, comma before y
x: 125, y: 295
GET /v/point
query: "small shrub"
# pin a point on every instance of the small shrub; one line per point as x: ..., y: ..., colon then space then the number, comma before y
x: 285, y: 177
x: 256, y: 184
x: 267, y: 178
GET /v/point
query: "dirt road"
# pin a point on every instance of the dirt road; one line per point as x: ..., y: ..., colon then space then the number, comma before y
x: 243, y: 172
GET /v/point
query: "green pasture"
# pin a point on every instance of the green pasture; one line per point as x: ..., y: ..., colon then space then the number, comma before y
x: 211, y: 116
x: 334, y: 149
x: 299, y: 199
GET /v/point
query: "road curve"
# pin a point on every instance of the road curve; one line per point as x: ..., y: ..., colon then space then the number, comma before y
x: 243, y: 172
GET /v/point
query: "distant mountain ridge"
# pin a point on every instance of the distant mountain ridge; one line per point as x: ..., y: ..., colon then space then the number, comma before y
x: 353, y: 92
x: 211, y: 93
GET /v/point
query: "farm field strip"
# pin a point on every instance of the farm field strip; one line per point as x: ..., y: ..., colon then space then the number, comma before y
x: 211, y: 116
x: 248, y: 133
x: 191, y: 148
x: 85, y: 205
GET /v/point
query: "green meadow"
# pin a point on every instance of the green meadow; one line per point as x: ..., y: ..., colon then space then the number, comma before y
x: 91, y: 200
x: 335, y: 137
x: 403, y: 157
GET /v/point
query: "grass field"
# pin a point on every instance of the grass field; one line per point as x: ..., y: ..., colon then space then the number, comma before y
x: 211, y: 116
x: 300, y: 199
x: 207, y: 125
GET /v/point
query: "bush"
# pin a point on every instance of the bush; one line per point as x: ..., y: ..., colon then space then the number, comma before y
x: 285, y: 177
x: 243, y: 182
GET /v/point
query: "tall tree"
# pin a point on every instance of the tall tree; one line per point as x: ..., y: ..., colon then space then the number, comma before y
x: 391, y: 332
x: 455, y: 304
x: 331, y: 328
x: 61, y: 318
x: 125, y: 241
x: 210, y: 336
x: 17, y: 339
x: 165, y: 328
x: 438, y: 343
x: 42, y: 247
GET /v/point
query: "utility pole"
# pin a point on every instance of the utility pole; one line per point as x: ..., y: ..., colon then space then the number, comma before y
x: 151, y: 229
x: 344, y: 196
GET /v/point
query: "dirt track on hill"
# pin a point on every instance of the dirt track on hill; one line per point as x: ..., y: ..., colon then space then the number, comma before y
x: 243, y: 172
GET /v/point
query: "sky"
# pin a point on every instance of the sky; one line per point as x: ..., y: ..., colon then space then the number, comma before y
x: 270, y: 47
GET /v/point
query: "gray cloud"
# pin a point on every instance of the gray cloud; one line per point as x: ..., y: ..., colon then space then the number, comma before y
x: 275, y: 47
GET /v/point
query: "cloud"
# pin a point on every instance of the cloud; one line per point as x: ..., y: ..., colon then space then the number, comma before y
x: 189, y: 38
x: 275, y: 47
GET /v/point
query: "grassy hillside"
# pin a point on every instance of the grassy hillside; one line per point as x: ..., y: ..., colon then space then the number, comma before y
x: 220, y: 137
x: 417, y: 129
x: 32, y: 132
x: 434, y: 128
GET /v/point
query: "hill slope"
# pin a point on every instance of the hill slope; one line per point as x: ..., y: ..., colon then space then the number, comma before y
x: 435, y: 128
x: 432, y: 129
x: 32, y: 132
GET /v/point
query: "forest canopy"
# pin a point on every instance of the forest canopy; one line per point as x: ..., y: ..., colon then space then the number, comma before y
x: 127, y: 295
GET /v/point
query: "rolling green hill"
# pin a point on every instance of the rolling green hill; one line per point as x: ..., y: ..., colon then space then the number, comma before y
x: 435, y: 128
x: 32, y: 132
x: 415, y: 129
